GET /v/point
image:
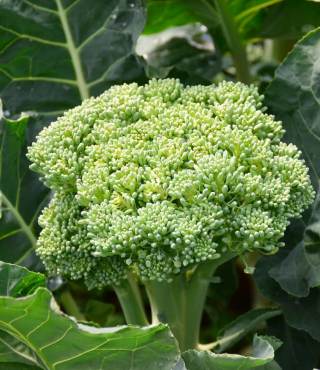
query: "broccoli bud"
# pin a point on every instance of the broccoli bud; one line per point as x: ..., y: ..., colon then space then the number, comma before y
x: 156, y: 178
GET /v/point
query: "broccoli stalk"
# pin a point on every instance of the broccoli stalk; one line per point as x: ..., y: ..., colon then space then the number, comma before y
x: 164, y: 183
x: 180, y: 303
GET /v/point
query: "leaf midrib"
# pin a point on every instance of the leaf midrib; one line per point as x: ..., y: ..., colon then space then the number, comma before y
x: 74, y: 54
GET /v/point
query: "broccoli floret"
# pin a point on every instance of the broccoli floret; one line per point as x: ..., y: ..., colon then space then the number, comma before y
x: 153, y: 179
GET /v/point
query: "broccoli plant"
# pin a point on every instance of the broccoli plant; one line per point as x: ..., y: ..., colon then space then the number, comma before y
x: 161, y: 184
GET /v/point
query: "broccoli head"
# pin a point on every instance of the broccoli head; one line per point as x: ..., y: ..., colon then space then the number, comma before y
x: 153, y: 179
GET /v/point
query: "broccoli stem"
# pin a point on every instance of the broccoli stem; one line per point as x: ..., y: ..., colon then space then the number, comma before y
x: 180, y: 303
x: 129, y: 296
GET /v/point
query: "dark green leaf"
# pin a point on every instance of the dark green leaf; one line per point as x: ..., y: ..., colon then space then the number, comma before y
x: 262, y: 354
x: 300, y: 313
x: 293, y: 96
x: 21, y: 195
x: 53, y: 54
x: 300, y: 270
x: 40, y: 334
x: 244, y: 324
x: 298, y: 351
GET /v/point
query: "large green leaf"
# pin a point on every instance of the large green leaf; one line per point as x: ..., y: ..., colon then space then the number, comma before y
x: 300, y: 313
x: 55, y: 53
x: 21, y: 195
x: 34, y: 331
x: 292, y: 277
x: 242, y: 325
x: 300, y: 270
x: 298, y: 351
x: 262, y: 355
x: 293, y: 96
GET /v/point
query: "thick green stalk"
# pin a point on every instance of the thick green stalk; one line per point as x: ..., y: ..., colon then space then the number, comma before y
x: 180, y: 303
x: 234, y: 41
x: 131, y: 303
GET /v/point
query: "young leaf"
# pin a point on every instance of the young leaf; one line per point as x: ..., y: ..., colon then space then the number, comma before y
x: 244, y: 324
x: 50, y: 340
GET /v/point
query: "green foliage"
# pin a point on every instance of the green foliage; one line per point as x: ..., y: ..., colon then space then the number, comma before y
x: 187, y: 53
x: 52, y: 57
x: 55, y: 53
x: 261, y: 358
x: 162, y: 14
x: 241, y: 326
x: 18, y: 282
x: 161, y: 177
x: 18, y: 213
x: 34, y: 332
x: 264, y: 18
x: 292, y: 277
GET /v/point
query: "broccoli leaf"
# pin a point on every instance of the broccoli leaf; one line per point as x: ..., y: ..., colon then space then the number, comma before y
x: 291, y: 278
x: 164, y: 14
x: 264, y: 18
x: 294, y: 96
x: 187, y: 53
x: 261, y: 358
x: 18, y: 282
x: 298, y: 351
x: 18, y: 212
x: 33, y: 331
x: 52, y: 56
x: 242, y: 325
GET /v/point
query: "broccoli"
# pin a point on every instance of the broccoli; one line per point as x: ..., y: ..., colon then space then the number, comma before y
x: 156, y: 179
